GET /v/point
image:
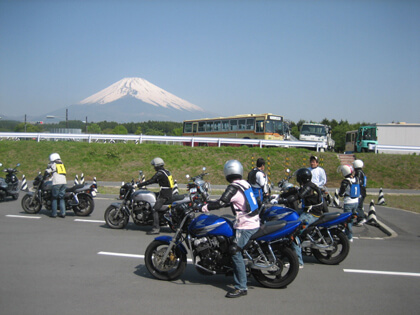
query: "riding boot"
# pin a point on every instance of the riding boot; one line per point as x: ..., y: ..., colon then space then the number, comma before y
x: 156, y: 226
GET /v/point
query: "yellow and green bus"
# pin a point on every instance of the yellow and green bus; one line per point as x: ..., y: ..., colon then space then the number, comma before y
x: 248, y: 126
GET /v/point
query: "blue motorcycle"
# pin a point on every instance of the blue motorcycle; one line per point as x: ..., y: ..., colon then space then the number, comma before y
x: 324, y: 239
x: 209, y: 239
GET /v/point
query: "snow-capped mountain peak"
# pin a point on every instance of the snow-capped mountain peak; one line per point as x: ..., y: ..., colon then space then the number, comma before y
x: 140, y: 89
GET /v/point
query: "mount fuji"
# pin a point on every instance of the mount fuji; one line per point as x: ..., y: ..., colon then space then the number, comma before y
x: 134, y: 100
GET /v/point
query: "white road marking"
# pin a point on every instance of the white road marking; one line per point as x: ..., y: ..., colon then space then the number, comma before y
x: 392, y: 273
x: 128, y: 255
x: 92, y: 221
x: 21, y: 216
x: 121, y: 255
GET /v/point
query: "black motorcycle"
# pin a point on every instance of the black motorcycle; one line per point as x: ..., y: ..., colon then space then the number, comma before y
x: 77, y: 198
x: 9, y: 186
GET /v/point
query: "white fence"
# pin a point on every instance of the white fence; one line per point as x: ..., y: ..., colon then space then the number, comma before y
x: 193, y: 141
x: 403, y: 149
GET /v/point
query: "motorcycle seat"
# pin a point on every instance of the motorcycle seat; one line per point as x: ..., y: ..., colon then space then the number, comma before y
x: 177, y: 198
x: 325, y: 218
x: 74, y: 188
x: 268, y: 227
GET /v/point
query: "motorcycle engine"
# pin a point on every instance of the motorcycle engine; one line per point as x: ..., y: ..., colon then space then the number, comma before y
x: 142, y: 211
x: 211, y: 252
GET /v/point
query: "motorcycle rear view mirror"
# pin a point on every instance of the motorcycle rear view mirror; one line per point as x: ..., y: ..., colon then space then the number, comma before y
x: 187, y: 176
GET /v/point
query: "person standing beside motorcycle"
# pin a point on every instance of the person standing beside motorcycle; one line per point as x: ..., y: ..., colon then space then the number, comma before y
x: 57, y: 171
x: 258, y: 180
x: 246, y: 223
x: 360, y: 175
x: 319, y: 177
x: 351, y: 195
x: 312, y: 202
x: 164, y: 178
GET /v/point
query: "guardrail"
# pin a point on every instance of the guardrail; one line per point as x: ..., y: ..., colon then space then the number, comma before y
x: 192, y: 141
x: 407, y: 149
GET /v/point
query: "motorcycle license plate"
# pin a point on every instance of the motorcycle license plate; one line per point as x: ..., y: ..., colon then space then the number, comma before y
x: 93, y: 193
x: 193, y: 190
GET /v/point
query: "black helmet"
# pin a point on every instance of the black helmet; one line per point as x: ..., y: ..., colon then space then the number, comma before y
x: 303, y: 176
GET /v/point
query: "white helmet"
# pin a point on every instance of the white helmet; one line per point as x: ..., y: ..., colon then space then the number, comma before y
x: 358, y: 164
x: 233, y: 168
x: 54, y: 157
x: 345, y: 170
x: 157, y: 162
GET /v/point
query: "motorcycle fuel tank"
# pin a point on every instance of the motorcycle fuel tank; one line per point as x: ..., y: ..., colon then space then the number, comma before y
x: 211, y: 225
x: 145, y: 195
x: 276, y: 213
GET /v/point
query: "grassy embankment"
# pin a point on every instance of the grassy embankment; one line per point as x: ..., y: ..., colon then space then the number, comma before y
x: 121, y: 162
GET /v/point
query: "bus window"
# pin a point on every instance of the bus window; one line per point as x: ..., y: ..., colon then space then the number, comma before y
x: 217, y: 125
x: 208, y: 126
x: 233, y: 124
x: 225, y: 125
x: 201, y: 126
x: 195, y: 125
x: 250, y: 124
x: 259, y: 126
x: 187, y: 127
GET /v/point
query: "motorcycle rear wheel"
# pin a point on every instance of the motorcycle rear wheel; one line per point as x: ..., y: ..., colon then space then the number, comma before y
x: 168, y: 270
x: 288, y: 268
x: 30, y: 206
x: 85, y: 207
x: 114, y: 218
x: 338, y: 254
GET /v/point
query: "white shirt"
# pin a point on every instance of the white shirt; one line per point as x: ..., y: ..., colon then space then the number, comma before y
x: 319, y: 177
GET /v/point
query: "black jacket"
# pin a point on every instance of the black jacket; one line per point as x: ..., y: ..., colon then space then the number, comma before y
x: 161, y: 178
x: 311, y: 196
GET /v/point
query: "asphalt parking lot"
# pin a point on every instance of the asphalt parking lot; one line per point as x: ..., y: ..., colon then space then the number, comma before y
x: 78, y: 265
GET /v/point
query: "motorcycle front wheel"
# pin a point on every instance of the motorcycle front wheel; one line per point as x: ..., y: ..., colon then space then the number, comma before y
x: 115, y: 218
x: 171, y: 268
x: 282, y: 273
x: 340, y: 248
x: 31, y: 205
x: 85, y: 207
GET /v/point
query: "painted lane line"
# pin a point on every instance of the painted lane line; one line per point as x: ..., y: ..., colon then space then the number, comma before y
x: 21, y: 216
x: 128, y: 255
x: 392, y: 273
x: 121, y: 255
x: 92, y: 221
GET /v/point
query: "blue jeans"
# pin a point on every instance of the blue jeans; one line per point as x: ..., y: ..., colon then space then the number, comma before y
x: 58, y: 192
x: 360, y: 212
x: 350, y: 207
x: 239, y: 268
x: 309, y: 218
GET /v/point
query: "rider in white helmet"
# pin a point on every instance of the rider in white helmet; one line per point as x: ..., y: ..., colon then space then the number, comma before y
x: 350, y: 192
x: 246, y: 223
x: 57, y: 171
x: 361, y: 176
x: 164, y: 178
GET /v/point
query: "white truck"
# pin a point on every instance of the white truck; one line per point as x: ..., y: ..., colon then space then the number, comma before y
x: 398, y: 134
x: 317, y: 133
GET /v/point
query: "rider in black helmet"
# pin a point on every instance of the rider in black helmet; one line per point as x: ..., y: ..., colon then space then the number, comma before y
x: 312, y: 202
x: 164, y: 178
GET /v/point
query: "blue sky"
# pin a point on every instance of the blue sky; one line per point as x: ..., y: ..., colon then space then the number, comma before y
x: 345, y: 60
